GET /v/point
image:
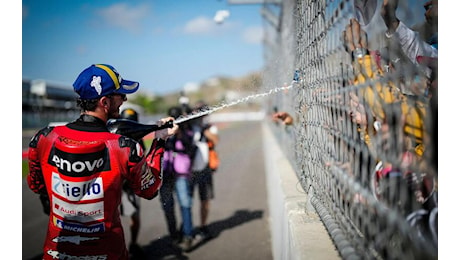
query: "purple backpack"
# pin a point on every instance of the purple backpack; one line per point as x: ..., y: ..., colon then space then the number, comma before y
x: 182, y: 161
x: 176, y: 158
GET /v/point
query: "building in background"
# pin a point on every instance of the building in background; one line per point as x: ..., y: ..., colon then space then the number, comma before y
x: 44, y: 102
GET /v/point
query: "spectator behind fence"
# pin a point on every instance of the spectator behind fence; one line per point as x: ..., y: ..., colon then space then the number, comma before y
x: 398, y: 125
x: 376, y: 96
x: 177, y: 173
x: 130, y: 203
x: 428, y: 29
x: 422, y: 50
x: 284, y: 117
x: 410, y: 42
x: 81, y: 166
x: 205, y: 137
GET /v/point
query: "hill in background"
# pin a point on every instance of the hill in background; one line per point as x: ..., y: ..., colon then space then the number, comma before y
x: 214, y: 91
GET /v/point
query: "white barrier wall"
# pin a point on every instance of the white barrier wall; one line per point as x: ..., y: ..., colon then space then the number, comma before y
x: 297, y: 231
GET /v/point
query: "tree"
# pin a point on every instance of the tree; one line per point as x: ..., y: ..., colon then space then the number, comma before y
x: 151, y: 105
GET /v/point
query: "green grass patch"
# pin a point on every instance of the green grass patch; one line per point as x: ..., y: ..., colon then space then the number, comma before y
x: 25, y: 168
x: 147, y: 143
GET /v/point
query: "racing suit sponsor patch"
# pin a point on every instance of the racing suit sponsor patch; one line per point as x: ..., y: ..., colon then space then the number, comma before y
x: 147, y: 179
x: 73, y: 239
x: 64, y: 256
x: 77, y: 191
x: 78, y: 212
x: 79, y: 164
x: 75, y: 227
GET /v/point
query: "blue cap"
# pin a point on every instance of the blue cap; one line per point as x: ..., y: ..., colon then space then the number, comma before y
x: 100, y: 80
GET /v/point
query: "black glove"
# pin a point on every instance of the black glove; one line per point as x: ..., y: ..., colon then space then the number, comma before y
x: 45, y: 200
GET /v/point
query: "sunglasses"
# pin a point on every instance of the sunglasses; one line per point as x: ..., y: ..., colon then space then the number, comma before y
x: 123, y: 96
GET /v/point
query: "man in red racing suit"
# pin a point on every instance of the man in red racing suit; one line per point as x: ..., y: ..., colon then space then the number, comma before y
x: 81, y: 167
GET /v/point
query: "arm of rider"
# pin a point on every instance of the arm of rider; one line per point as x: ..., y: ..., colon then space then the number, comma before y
x: 167, y: 132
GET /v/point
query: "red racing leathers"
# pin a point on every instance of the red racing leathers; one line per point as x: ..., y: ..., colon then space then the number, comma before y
x: 81, y: 167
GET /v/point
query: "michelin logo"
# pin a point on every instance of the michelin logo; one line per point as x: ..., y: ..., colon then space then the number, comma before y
x: 74, y: 227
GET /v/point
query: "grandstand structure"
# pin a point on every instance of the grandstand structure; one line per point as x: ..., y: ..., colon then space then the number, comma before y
x: 45, y: 101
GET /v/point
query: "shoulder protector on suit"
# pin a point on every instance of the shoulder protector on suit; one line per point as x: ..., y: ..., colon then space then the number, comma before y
x: 44, y: 131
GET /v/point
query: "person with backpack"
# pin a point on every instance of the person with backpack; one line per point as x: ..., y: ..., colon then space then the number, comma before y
x: 205, y: 163
x: 177, y: 163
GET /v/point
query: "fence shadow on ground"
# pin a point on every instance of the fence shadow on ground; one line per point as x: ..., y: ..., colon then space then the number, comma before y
x: 37, y: 257
x: 162, y: 248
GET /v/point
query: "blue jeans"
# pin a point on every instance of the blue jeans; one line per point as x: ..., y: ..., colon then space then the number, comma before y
x: 183, y: 191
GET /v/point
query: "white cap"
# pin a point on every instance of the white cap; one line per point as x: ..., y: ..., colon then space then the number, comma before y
x: 183, y: 100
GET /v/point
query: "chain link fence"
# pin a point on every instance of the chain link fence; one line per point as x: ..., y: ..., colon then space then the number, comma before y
x: 364, y: 139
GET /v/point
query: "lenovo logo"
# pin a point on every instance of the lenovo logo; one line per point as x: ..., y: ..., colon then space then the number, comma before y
x: 79, y: 164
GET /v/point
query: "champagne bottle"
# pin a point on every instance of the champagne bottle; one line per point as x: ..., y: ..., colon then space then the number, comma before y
x: 133, y: 129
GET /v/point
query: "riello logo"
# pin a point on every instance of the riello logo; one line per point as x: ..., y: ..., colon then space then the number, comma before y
x: 82, y: 164
x: 77, y: 190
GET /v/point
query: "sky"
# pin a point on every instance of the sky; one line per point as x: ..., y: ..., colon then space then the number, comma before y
x: 164, y: 45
